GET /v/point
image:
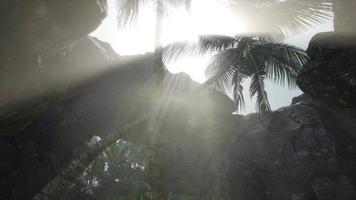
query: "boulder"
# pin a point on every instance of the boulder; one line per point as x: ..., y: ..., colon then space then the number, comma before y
x: 301, y: 151
x: 28, y: 87
x: 31, y: 151
x: 42, y: 27
x: 330, y: 74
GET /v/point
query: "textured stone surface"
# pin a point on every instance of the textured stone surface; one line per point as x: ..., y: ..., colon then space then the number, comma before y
x: 302, y: 151
x: 35, y: 37
x: 31, y: 151
x: 96, y: 105
x: 330, y: 74
x: 298, y: 152
x: 32, y: 28
x: 28, y: 87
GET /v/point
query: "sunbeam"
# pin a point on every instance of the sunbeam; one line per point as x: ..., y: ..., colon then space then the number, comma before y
x: 206, y: 17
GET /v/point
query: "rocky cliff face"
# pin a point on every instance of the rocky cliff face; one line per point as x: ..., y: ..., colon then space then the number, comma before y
x: 330, y: 76
x: 96, y: 92
x: 302, y: 151
x: 35, y: 36
x: 34, y: 146
x: 42, y: 27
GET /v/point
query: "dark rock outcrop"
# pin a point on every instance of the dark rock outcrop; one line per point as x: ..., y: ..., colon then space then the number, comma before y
x: 302, y: 151
x: 32, y: 149
x: 28, y: 87
x: 42, y: 27
x: 33, y: 71
x: 101, y: 93
x: 330, y: 74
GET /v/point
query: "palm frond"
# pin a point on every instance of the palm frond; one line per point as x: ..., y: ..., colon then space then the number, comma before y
x: 257, y: 87
x: 237, y: 91
x: 128, y: 11
x: 300, y: 15
x: 222, y: 81
x: 223, y: 61
x: 206, y: 44
x: 244, y: 56
x: 179, y: 50
x: 282, y: 19
x: 225, y: 75
x: 282, y: 62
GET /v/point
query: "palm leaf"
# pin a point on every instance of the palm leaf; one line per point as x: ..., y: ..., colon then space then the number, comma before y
x: 282, y: 19
x: 179, y: 50
x: 282, y: 62
x: 237, y: 91
x: 258, y: 87
x: 206, y: 44
x: 225, y: 74
x: 242, y: 56
x: 128, y: 11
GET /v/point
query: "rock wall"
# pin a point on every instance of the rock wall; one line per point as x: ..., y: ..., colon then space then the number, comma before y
x: 40, y: 27
x: 330, y: 74
x: 34, y: 37
x: 36, y: 138
x: 94, y: 101
x: 302, y: 151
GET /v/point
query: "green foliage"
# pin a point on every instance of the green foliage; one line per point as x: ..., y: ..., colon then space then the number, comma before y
x: 117, y: 173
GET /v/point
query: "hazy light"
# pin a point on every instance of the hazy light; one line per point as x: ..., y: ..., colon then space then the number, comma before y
x: 206, y: 17
x: 194, y: 66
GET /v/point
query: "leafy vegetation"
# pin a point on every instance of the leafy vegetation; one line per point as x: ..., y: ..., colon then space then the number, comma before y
x: 117, y: 173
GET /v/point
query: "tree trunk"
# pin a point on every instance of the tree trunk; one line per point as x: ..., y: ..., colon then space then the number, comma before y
x: 345, y: 16
x: 61, y: 183
x: 153, y: 170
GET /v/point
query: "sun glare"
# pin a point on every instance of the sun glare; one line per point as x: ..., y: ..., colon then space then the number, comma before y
x: 206, y: 17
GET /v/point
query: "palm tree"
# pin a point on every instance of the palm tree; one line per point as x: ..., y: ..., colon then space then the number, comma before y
x: 241, y: 57
x: 128, y: 12
x: 275, y: 19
